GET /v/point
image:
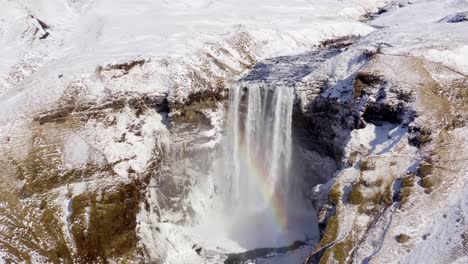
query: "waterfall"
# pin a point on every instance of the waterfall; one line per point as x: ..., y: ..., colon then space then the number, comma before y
x: 258, y: 149
x: 250, y: 197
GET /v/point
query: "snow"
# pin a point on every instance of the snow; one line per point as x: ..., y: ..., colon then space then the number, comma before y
x: 386, y: 147
x: 172, y: 36
x: 455, y: 18
x: 139, y: 144
x: 85, y: 35
x: 401, y: 28
x: 456, y: 57
x: 76, y: 151
x: 379, y: 140
x: 437, y: 224
x: 216, y: 118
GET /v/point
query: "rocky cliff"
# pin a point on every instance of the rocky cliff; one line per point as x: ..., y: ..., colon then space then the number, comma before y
x: 110, y: 126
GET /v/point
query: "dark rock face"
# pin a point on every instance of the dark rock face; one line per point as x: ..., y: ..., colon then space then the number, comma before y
x: 324, y: 127
x: 381, y: 112
x: 383, y: 102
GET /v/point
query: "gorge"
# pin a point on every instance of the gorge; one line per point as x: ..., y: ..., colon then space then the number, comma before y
x: 232, y: 132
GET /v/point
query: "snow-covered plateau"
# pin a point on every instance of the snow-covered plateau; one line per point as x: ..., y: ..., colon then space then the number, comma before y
x: 234, y: 131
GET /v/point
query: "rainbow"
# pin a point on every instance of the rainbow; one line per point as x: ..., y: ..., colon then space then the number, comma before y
x: 276, y: 199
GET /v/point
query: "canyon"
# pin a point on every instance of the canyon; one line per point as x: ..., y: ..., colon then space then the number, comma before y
x: 233, y: 132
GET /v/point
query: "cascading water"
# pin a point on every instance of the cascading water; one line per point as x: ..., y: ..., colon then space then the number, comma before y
x: 258, y: 150
x: 258, y: 191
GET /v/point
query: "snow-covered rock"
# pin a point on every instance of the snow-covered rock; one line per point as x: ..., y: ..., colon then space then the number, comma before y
x: 112, y: 114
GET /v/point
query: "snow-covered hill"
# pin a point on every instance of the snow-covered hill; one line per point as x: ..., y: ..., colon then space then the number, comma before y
x: 42, y: 40
x: 111, y: 118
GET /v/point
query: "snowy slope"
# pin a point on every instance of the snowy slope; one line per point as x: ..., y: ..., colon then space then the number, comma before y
x: 86, y: 34
x: 419, y: 29
x: 418, y: 52
x: 178, y: 48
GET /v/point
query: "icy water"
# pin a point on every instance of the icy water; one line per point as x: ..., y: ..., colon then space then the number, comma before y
x: 256, y: 186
